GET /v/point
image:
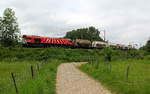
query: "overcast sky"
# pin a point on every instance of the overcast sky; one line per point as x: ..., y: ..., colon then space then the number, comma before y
x: 125, y: 21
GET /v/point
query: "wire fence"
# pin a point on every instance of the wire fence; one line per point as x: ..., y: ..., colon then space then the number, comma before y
x: 127, y: 79
x: 15, y: 80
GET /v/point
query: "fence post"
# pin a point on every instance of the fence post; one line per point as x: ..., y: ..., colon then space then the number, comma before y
x: 14, y: 81
x: 127, y: 73
x: 32, y: 72
x: 89, y: 60
x: 109, y: 67
x: 38, y: 68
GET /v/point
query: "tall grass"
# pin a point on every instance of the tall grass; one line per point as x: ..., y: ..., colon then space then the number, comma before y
x: 46, y: 55
x: 19, y: 61
x: 43, y: 82
x: 22, y: 73
x: 113, y: 75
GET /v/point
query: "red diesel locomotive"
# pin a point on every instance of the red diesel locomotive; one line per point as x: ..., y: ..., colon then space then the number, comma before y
x: 37, y: 41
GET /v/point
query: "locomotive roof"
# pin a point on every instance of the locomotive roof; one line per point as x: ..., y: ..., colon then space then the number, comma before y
x: 34, y: 36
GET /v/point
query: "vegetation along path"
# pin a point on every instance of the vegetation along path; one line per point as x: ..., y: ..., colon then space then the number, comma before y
x: 70, y: 80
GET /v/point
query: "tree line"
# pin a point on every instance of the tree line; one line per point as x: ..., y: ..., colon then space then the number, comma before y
x: 90, y: 33
x: 146, y: 47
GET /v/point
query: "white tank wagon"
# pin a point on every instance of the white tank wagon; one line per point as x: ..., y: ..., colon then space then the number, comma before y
x: 113, y: 45
x: 99, y: 44
x: 120, y: 46
x: 123, y: 47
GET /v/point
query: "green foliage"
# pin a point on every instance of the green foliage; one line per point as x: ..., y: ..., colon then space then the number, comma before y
x: 108, y: 52
x: 137, y: 54
x: 90, y: 33
x: 46, y: 55
x: 9, y: 29
x: 146, y: 48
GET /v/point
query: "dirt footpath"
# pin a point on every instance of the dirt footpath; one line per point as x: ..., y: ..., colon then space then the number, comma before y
x: 71, y: 80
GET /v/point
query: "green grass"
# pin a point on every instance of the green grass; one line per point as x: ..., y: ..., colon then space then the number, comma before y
x: 19, y: 61
x: 113, y: 75
x: 43, y: 82
x: 21, y: 71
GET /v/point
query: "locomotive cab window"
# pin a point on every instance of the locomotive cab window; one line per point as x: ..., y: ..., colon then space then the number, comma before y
x: 28, y: 39
x: 37, y: 40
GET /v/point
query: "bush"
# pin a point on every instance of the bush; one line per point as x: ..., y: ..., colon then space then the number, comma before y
x: 138, y: 54
x: 108, y: 52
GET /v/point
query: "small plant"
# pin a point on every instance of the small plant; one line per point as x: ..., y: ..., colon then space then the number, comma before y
x: 108, y: 51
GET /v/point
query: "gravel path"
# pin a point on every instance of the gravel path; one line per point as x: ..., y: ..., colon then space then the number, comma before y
x: 71, y: 80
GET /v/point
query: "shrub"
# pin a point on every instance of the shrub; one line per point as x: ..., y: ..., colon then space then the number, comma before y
x: 108, y: 51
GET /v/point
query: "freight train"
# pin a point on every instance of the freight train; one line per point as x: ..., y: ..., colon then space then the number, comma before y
x: 38, y: 41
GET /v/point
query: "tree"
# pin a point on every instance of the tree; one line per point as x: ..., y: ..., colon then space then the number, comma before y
x: 147, y: 46
x: 9, y: 29
x: 90, y: 33
x: 0, y: 29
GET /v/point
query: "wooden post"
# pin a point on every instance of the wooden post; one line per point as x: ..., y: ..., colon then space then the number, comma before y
x: 92, y: 60
x: 97, y: 64
x: 38, y: 68
x: 32, y: 72
x: 127, y: 73
x: 110, y: 67
x: 89, y: 58
x: 14, y: 81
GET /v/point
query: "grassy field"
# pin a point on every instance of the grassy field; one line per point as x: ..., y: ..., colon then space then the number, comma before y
x: 19, y: 61
x: 45, y: 81
x: 42, y: 83
x: 114, y: 75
